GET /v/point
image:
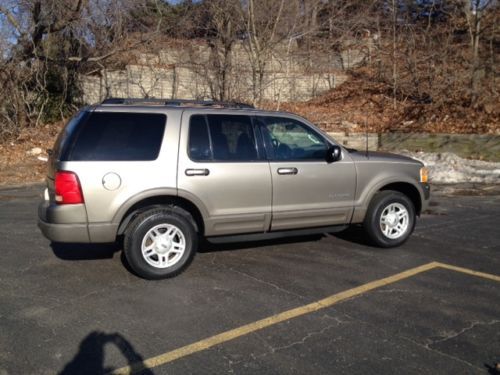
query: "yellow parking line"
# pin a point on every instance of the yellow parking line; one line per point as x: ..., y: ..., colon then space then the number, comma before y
x: 269, y: 321
x: 287, y: 315
x: 467, y: 271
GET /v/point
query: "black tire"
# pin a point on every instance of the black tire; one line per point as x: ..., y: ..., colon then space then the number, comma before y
x: 372, y: 223
x: 146, y: 221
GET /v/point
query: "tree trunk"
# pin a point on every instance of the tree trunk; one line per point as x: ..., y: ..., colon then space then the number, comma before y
x: 394, y: 62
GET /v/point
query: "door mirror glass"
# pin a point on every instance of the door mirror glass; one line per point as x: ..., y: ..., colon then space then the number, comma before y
x: 334, y: 153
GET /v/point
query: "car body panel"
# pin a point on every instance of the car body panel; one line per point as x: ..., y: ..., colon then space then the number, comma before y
x: 319, y: 194
x: 375, y: 170
x: 236, y: 195
x: 233, y: 197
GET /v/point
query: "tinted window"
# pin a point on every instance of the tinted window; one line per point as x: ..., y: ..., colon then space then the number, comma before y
x: 289, y: 139
x: 199, y: 140
x: 66, y: 137
x: 117, y: 136
x: 229, y: 138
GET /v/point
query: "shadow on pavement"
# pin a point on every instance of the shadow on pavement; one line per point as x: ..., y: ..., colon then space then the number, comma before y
x: 90, y: 356
x: 354, y: 234
x: 206, y: 246
x: 76, y: 251
x: 493, y: 370
x: 85, y: 251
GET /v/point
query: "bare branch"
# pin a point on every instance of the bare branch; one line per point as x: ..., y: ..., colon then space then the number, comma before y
x: 10, y: 17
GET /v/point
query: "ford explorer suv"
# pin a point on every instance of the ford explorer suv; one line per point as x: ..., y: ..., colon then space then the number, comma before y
x: 160, y: 175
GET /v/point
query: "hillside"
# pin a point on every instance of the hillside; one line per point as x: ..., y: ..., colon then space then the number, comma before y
x: 363, y: 104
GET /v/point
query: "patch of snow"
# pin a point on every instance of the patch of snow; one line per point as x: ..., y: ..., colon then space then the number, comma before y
x: 35, y: 151
x: 448, y: 168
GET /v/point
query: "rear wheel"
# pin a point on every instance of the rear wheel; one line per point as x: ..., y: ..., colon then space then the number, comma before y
x: 390, y: 218
x: 160, y: 243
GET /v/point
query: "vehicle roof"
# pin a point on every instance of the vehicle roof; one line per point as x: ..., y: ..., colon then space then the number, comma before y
x: 167, y: 105
x: 166, y: 109
x: 176, y: 103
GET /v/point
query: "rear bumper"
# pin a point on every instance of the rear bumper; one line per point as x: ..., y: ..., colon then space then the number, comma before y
x: 64, y: 232
x: 63, y: 223
x: 68, y: 223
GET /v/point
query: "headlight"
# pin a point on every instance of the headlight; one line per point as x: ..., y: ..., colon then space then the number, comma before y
x: 424, y: 175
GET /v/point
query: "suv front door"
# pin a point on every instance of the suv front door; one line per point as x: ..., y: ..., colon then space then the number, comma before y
x: 224, y: 170
x: 307, y: 190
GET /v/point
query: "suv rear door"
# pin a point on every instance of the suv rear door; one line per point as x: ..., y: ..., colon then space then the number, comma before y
x: 223, y: 169
x: 307, y: 190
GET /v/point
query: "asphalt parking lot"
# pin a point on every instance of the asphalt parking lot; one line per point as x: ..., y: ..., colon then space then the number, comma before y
x: 316, y: 305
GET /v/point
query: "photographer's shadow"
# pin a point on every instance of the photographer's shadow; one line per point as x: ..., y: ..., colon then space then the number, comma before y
x: 90, y: 356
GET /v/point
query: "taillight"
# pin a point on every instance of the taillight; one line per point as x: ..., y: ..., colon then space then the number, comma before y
x: 67, y: 188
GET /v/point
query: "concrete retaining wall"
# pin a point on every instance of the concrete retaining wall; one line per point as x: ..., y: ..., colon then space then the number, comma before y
x: 138, y: 81
x: 187, y: 72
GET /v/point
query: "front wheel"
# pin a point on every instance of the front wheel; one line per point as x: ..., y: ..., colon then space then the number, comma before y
x: 390, y: 218
x: 160, y: 243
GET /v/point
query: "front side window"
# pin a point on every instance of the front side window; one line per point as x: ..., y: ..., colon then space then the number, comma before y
x: 222, y: 138
x: 289, y: 139
x: 119, y: 136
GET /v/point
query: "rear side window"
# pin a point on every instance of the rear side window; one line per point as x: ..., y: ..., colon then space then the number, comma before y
x: 67, y: 135
x: 117, y: 136
x: 222, y: 138
x: 199, y: 139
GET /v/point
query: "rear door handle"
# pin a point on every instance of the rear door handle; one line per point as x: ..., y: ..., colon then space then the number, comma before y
x: 288, y: 171
x: 197, y: 172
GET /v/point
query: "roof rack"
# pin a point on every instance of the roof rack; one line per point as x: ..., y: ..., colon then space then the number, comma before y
x: 176, y: 102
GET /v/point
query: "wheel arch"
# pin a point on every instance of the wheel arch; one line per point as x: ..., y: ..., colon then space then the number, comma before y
x: 143, y: 203
x: 403, y: 185
x: 407, y: 189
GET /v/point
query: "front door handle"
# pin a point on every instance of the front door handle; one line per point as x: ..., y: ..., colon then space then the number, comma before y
x: 197, y: 172
x: 288, y: 171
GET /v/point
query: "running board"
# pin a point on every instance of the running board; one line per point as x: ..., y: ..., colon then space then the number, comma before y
x: 275, y: 235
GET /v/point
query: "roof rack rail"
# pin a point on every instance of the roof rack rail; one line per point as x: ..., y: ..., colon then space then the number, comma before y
x: 176, y: 102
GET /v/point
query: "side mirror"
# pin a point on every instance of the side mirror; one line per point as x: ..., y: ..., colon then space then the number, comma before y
x: 334, y: 153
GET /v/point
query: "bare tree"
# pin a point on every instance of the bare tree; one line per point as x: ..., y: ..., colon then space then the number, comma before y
x: 432, y: 54
x: 222, y: 32
x: 261, y: 20
x: 51, y: 43
x: 474, y: 10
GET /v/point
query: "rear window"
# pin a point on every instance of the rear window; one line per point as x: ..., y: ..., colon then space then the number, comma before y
x: 117, y: 136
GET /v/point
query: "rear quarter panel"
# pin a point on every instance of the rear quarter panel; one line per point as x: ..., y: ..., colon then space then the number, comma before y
x: 136, y: 176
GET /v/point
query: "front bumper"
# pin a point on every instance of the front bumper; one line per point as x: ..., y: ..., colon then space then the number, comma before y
x: 426, y: 189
